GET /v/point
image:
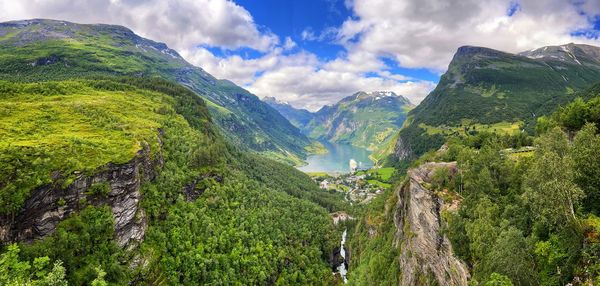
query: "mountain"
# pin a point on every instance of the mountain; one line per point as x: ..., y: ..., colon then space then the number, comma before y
x: 364, y: 119
x: 39, y: 49
x: 113, y: 173
x: 490, y: 90
x: 298, y: 117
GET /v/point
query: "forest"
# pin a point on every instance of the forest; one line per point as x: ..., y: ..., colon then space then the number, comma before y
x: 524, y: 218
x: 256, y: 221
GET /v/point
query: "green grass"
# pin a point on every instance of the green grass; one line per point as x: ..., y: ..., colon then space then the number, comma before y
x: 380, y: 184
x: 71, y: 126
x: 339, y: 187
x: 383, y: 174
x: 503, y: 127
x: 217, y: 108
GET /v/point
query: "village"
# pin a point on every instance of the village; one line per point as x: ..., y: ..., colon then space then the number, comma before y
x: 359, y: 186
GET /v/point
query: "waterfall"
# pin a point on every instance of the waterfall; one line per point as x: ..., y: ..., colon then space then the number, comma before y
x: 342, y: 267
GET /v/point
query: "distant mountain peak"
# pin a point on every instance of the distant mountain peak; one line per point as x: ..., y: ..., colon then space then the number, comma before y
x: 35, y: 30
x: 571, y: 52
x: 272, y: 99
x: 376, y: 95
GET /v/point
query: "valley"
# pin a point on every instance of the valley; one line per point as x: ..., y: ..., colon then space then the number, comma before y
x: 124, y: 162
x: 367, y: 120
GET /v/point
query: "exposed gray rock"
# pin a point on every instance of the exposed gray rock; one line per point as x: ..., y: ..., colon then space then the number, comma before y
x: 50, y: 204
x: 425, y: 253
x: 401, y: 150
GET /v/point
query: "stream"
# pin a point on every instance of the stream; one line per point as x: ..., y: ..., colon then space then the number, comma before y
x: 342, y: 267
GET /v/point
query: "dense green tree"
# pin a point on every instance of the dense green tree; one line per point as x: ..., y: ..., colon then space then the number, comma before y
x: 511, y: 255
x: 83, y: 242
x: 550, y: 187
x: 586, y: 158
x: 498, y: 280
x: 482, y: 230
x: 16, y: 272
x: 557, y: 257
x: 574, y: 115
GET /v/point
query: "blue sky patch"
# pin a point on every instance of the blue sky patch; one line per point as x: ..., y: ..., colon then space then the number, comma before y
x: 513, y: 8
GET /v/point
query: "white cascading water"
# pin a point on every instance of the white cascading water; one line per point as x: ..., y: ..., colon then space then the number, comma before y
x: 342, y: 268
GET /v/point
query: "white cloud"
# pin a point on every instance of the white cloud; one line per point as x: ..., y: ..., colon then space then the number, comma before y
x: 309, y: 87
x: 182, y: 24
x: 243, y: 71
x: 289, y: 43
x: 328, y: 33
x: 426, y: 33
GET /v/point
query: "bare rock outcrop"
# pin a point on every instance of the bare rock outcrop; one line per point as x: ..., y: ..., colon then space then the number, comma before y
x: 402, y: 150
x: 117, y: 186
x: 426, y: 255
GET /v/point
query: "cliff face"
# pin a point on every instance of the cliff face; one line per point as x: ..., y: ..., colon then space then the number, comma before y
x: 426, y: 255
x: 117, y: 186
x: 401, y: 150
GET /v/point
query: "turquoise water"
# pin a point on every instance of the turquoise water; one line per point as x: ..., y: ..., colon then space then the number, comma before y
x: 337, y: 159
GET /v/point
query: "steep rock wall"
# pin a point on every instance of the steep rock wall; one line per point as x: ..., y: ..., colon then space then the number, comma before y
x: 402, y: 150
x: 426, y: 255
x: 50, y: 204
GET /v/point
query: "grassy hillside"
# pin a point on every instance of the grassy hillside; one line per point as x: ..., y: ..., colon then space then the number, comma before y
x: 46, y: 49
x: 488, y: 89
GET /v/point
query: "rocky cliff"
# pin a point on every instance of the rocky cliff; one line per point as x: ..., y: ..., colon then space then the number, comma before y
x: 426, y: 255
x: 117, y: 186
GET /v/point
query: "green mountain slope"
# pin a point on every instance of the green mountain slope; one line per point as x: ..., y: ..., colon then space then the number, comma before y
x: 108, y: 171
x: 38, y: 49
x: 485, y: 89
x: 367, y: 120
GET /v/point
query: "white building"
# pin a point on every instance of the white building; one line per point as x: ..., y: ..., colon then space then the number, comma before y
x: 353, y: 165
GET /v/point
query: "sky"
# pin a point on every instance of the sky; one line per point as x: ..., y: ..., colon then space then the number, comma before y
x: 312, y: 53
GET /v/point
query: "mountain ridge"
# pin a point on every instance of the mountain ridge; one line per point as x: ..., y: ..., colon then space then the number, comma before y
x: 40, y: 47
x: 487, y: 89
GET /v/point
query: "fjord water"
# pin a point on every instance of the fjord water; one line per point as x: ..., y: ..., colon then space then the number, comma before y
x: 337, y: 159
